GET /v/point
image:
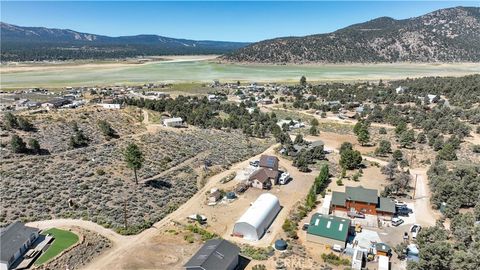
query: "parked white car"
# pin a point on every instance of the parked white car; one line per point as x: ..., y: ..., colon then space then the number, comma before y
x: 415, y: 229
x: 397, y: 221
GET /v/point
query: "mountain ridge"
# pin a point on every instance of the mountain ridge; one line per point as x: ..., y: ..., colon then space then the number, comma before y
x: 445, y: 35
x: 21, y: 43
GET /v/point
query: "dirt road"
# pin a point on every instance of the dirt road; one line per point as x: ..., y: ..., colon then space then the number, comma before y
x: 88, y: 225
x: 424, y: 213
x: 116, y: 257
x: 126, y: 249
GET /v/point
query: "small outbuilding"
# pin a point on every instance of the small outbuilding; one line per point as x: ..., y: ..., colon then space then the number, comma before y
x: 253, y: 224
x: 383, y: 249
x: 173, y: 122
x: 214, y: 196
x: 215, y: 254
x: 328, y: 230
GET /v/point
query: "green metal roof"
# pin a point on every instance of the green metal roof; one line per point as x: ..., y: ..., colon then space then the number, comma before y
x: 338, y: 198
x: 361, y: 194
x: 329, y: 226
x: 385, y: 205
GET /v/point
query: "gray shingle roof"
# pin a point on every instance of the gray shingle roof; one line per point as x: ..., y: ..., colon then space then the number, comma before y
x: 12, y: 238
x: 385, y: 205
x: 361, y: 194
x: 338, y: 198
x: 214, y: 254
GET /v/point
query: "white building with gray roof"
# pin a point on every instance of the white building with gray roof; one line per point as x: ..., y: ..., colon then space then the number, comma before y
x: 15, y: 239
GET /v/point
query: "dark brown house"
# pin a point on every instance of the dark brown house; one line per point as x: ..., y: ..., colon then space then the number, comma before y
x: 267, y: 175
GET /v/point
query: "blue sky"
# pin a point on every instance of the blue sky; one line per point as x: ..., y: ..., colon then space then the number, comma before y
x: 230, y: 21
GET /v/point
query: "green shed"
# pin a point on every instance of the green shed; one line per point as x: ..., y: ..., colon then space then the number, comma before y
x: 328, y: 230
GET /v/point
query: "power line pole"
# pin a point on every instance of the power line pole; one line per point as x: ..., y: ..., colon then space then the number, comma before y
x: 415, y: 186
x: 125, y: 213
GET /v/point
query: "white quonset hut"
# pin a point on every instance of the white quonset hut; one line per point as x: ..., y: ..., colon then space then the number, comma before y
x: 253, y: 224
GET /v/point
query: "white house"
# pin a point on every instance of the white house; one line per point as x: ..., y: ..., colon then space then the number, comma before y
x: 212, y: 98
x: 173, y: 122
x: 111, y: 106
x: 253, y: 224
x: 400, y: 90
x: 15, y: 239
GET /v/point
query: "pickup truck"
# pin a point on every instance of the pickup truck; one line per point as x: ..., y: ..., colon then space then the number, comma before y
x: 415, y: 229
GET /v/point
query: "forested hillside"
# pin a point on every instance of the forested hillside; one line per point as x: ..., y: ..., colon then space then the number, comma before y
x: 447, y: 35
x: 39, y: 43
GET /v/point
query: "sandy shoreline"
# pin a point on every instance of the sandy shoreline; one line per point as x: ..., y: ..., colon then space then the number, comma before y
x: 51, y: 66
x: 122, y: 63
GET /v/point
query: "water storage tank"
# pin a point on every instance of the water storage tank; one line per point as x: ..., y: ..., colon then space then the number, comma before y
x: 280, y: 244
x: 231, y: 195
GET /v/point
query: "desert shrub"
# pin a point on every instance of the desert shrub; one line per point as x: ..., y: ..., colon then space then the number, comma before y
x: 206, y: 235
x: 17, y: 144
x: 259, y: 254
x: 334, y: 259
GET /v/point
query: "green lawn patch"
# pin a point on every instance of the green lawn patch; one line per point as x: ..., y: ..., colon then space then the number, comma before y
x: 63, y: 240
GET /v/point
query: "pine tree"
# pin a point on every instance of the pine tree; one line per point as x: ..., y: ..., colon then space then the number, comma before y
x: 17, y: 144
x: 134, y: 158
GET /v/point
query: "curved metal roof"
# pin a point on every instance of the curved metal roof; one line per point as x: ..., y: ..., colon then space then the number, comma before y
x: 260, y: 209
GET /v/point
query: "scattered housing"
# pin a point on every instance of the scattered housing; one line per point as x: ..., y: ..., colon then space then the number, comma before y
x: 55, y: 103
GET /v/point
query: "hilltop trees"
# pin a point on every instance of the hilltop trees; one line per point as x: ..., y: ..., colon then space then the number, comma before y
x: 17, y: 144
x: 303, y: 81
x: 14, y: 122
x: 106, y: 129
x: 407, y: 138
x: 457, y: 187
x: 390, y: 169
x: 456, y: 249
x: 361, y: 130
x: 20, y: 147
x: 134, y: 159
x: 78, y: 139
x: 10, y: 120
x: 383, y: 148
x: 314, y: 127
x: 349, y: 158
x: 24, y: 124
x: 34, y: 146
x: 447, y: 152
